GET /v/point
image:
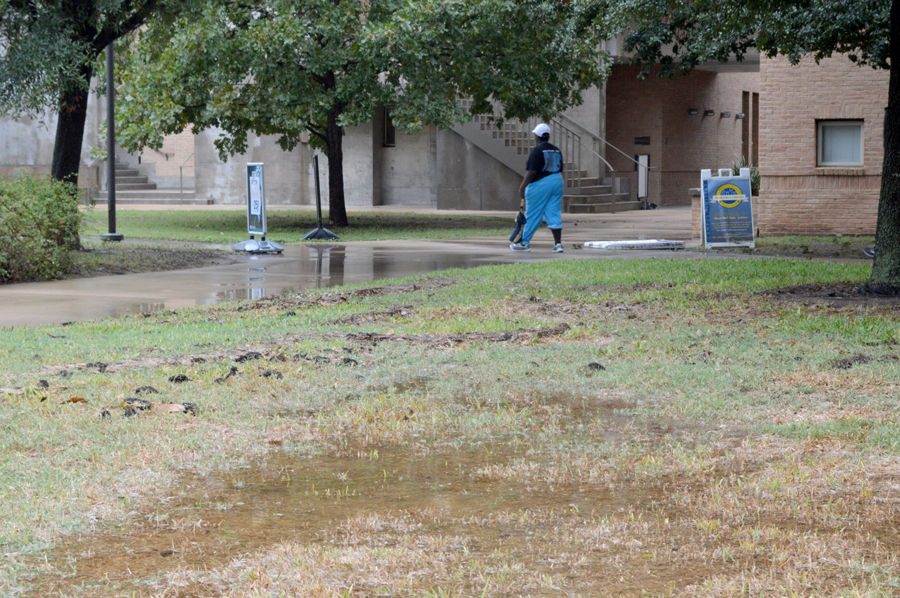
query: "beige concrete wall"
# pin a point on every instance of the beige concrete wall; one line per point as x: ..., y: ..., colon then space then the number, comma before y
x: 358, y: 167
x: 406, y: 173
x: 162, y: 165
x: 26, y: 145
x: 373, y: 175
x: 590, y: 114
x: 225, y: 182
x: 680, y: 144
x: 469, y: 179
x: 796, y: 196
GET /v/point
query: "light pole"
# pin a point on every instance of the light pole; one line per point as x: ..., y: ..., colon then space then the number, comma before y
x: 112, y: 235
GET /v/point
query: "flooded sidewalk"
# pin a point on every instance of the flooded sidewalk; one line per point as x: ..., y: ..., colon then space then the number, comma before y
x: 310, y: 266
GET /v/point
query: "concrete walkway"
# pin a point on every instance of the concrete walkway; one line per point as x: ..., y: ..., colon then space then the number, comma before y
x: 306, y: 266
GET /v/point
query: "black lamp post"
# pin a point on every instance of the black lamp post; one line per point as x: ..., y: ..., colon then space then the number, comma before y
x: 320, y: 232
x: 112, y: 235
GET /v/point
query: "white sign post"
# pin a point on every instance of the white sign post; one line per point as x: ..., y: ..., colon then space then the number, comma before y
x: 256, y: 214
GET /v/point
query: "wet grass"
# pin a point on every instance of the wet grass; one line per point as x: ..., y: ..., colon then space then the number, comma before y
x: 290, y: 225
x: 101, y: 259
x: 691, y: 429
x: 815, y: 246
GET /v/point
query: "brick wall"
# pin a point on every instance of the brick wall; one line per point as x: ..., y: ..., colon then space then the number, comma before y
x: 680, y: 144
x: 796, y: 196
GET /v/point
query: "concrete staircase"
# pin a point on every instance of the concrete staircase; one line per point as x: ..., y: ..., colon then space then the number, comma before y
x: 134, y: 188
x: 510, y: 144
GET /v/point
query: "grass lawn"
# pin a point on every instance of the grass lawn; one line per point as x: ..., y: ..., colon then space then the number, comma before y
x: 289, y: 226
x: 822, y: 246
x: 717, y: 427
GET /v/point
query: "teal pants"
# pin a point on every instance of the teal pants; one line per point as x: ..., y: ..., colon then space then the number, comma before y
x: 543, y: 201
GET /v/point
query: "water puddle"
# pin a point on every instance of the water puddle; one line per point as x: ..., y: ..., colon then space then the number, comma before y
x: 304, y: 500
x: 251, y: 278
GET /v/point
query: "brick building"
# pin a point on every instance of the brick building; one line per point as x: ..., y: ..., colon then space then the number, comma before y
x: 814, y: 130
x: 706, y: 119
x: 821, y: 146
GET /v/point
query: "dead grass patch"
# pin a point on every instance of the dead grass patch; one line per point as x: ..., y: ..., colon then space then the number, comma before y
x: 868, y: 382
x: 400, y: 311
x: 837, y: 295
x: 817, y: 489
x: 826, y: 416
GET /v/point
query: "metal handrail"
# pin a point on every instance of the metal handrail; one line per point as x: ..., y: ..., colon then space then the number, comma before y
x: 556, y: 120
x: 567, y: 134
x: 599, y: 139
x: 181, y: 176
x: 563, y: 137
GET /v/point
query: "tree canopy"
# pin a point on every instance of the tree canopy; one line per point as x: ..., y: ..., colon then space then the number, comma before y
x: 676, y: 35
x: 284, y: 68
x: 679, y: 35
x: 47, y: 55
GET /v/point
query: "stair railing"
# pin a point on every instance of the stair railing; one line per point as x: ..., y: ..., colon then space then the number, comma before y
x: 598, y: 143
x: 561, y: 135
x: 181, y: 176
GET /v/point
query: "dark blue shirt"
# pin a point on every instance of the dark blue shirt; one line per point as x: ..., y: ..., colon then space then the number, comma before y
x: 545, y: 159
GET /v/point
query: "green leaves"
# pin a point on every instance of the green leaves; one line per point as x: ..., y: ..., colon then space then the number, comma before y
x: 681, y: 34
x: 534, y: 57
x: 47, y: 47
x: 280, y: 68
x: 39, y: 222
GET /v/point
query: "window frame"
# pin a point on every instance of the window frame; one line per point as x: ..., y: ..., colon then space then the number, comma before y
x: 822, y: 124
x: 388, y: 131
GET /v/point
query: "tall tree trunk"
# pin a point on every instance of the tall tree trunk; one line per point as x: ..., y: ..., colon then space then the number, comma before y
x: 70, y: 130
x: 885, y: 276
x: 334, y: 134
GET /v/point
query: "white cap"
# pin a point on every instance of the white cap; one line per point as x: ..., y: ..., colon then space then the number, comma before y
x: 541, y: 130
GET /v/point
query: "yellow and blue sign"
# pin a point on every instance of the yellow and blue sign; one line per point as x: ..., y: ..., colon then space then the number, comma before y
x: 727, y: 210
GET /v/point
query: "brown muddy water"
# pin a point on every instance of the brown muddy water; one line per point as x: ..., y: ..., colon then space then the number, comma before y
x: 303, y: 500
x: 251, y: 277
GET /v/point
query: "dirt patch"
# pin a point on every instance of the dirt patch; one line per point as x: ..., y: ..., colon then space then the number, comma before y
x: 848, y: 362
x: 336, y: 298
x: 443, y: 340
x: 838, y: 295
x: 127, y: 259
x: 375, y: 316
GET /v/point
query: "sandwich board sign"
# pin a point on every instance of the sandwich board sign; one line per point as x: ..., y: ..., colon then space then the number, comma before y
x: 727, y: 209
x: 256, y: 200
x: 256, y: 214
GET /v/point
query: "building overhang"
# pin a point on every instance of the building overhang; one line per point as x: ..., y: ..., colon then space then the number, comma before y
x: 748, y: 64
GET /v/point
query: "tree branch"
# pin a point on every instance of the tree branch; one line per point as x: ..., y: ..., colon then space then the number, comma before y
x: 313, y: 130
x: 113, y: 31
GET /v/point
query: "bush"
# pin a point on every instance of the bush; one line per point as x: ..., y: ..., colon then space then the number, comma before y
x: 754, y: 174
x: 39, y: 222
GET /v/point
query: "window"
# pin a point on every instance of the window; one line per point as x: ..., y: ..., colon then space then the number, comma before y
x: 840, y: 143
x: 388, y: 133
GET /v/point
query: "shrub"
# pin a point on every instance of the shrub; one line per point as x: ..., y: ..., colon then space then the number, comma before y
x: 39, y: 222
x: 754, y: 174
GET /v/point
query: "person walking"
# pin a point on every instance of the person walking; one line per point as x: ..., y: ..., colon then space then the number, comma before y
x: 542, y: 190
